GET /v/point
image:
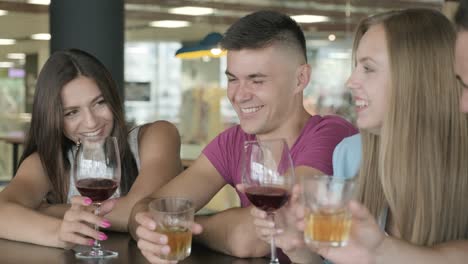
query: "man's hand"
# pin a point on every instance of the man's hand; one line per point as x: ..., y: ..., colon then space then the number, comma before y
x: 153, y: 245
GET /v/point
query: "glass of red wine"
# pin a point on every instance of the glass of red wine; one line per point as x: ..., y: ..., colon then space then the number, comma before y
x: 268, y: 178
x: 96, y: 172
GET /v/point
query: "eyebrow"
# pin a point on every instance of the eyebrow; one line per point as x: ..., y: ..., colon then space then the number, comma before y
x: 364, y: 59
x: 250, y: 76
x: 95, y: 99
x: 228, y: 73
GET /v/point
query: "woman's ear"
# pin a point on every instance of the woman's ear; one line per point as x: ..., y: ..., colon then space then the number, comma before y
x: 302, y: 77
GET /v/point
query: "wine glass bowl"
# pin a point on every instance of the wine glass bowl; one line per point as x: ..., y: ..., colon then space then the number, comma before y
x: 96, y: 172
x: 268, y: 177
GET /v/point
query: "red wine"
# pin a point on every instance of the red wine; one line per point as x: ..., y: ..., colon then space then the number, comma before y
x: 97, y: 189
x: 267, y: 198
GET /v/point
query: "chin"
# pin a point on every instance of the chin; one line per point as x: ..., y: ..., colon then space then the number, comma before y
x: 248, y: 129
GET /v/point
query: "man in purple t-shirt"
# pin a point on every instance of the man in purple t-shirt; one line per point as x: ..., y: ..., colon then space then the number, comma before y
x: 267, y: 72
x: 313, y: 148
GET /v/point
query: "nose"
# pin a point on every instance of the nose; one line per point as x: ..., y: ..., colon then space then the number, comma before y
x: 352, y: 82
x: 242, y: 92
x: 90, y: 119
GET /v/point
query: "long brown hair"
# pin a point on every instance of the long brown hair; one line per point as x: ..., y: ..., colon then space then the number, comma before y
x: 46, y: 136
x: 418, y: 165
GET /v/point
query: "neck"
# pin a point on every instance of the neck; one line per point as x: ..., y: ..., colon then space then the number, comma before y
x: 291, y: 129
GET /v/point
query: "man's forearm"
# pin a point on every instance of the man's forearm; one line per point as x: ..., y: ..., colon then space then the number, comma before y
x: 231, y: 232
x: 394, y: 250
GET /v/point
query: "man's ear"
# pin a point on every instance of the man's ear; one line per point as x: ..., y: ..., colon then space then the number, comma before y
x: 302, y: 77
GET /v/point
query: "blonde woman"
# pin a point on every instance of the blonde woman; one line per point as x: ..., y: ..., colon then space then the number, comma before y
x: 413, y: 181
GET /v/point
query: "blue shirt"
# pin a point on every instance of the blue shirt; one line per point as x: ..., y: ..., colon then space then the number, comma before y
x: 347, y: 157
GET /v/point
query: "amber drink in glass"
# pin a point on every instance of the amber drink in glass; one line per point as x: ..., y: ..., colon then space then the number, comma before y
x: 328, y: 220
x: 173, y: 217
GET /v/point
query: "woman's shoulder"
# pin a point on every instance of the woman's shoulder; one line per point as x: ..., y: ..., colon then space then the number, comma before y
x: 157, y: 128
x: 32, y: 168
x: 32, y: 160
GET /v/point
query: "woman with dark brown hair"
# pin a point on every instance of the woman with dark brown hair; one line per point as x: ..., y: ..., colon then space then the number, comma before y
x: 76, y: 98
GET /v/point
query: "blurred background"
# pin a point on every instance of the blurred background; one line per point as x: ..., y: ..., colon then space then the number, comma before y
x: 188, y: 89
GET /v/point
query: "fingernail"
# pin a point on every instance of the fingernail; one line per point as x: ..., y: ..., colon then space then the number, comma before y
x: 163, y: 239
x: 105, y: 223
x: 102, y: 236
x: 152, y: 226
x: 165, y: 250
x: 88, y: 201
x: 91, y: 242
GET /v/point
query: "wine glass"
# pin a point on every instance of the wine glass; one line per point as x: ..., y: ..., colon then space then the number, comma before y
x: 268, y: 177
x: 96, y: 172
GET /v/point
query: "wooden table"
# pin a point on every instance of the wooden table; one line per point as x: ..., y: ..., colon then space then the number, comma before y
x: 15, y: 141
x: 16, y: 252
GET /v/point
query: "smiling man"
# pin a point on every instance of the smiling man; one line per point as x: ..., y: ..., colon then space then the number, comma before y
x: 267, y: 72
x: 461, y: 51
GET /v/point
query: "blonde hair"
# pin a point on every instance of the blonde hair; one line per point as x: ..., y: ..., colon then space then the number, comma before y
x: 418, y: 165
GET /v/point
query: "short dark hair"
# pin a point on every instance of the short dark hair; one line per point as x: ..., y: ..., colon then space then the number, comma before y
x: 263, y: 28
x: 461, y: 16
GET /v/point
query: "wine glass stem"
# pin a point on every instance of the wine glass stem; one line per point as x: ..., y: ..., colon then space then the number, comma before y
x: 97, y: 244
x: 273, y: 257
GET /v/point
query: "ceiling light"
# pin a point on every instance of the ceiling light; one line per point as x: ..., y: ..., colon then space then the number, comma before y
x: 7, y: 41
x: 41, y: 36
x: 191, y: 10
x: 169, y: 23
x: 331, y: 37
x: 216, y: 51
x: 309, y: 18
x: 6, y: 64
x: 207, y: 47
x: 39, y: 2
x: 3, y: 12
x: 16, y: 56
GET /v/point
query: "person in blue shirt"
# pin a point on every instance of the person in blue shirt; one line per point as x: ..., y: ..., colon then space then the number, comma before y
x: 347, y: 157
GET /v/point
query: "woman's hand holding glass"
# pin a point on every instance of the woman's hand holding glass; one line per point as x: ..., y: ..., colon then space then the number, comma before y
x: 365, y: 239
x: 77, y: 228
x: 96, y: 171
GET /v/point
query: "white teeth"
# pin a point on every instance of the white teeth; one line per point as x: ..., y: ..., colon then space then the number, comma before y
x: 362, y: 103
x: 250, y: 109
x: 92, y: 134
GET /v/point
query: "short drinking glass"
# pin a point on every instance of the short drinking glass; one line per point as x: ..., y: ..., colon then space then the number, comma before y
x: 328, y: 220
x: 174, y: 217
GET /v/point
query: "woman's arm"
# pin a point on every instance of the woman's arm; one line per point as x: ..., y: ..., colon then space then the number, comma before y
x: 159, y: 151
x: 19, y: 200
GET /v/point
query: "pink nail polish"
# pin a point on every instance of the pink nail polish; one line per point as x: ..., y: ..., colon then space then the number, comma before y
x: 88, y: 201
x: 102, y: 236
x: 91, y: 242
x: 105, y: 223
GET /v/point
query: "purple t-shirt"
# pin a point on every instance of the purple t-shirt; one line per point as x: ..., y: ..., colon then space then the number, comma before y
x: 313, y: 148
